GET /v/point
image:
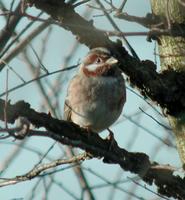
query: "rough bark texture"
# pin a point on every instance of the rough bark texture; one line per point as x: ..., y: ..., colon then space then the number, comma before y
x: 172, y: 57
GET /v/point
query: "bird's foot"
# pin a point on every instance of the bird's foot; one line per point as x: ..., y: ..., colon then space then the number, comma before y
x: 111, y: 140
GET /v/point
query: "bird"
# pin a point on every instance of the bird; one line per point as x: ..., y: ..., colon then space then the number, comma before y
x: 97, y: 93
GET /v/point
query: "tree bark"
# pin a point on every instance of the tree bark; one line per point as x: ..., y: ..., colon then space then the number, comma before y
x: 172, y: 57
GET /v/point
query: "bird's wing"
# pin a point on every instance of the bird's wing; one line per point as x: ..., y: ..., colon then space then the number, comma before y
x: 67, y: 105
x: 67, y: 111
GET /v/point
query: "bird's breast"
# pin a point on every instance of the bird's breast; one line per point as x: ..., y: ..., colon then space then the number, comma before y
x: 97, y: 102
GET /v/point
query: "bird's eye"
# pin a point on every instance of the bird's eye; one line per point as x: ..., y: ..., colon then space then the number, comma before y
x: 98, y: 60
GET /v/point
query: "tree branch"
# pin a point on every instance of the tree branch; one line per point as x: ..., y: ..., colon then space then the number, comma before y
x: 71, y: 134
x: 148, y: 21
x: 156, y: 25
x: 84, y: 30
x: 37, y: 170
x: 9, y: 29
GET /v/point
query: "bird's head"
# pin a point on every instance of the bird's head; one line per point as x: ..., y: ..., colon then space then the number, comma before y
x: 98, y: 62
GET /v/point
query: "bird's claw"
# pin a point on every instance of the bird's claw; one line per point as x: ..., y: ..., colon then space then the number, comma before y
x: 111, y: 140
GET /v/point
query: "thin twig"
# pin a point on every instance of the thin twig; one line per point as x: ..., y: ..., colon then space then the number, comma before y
x: 40, y: 77
x: 41, y: 168
x: 164, y: 126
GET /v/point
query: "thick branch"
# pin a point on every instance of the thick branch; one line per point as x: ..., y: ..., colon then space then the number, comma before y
x: 70, y: 20
x: 71, y: 134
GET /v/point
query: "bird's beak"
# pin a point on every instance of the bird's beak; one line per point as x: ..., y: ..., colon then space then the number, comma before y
x: 111, y: 61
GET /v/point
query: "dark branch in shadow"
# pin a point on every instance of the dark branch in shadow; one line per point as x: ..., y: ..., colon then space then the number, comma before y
x: 70, y: 134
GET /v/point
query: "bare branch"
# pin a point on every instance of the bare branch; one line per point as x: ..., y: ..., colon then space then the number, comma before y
x: 71, y: 134
x: 39, y: 77
x: 22, y: 45
x: 41, y: 168
x: 9, y: 29
x: 148, y: 21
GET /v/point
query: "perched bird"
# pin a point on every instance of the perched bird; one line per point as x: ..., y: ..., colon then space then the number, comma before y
x: 97, y: 93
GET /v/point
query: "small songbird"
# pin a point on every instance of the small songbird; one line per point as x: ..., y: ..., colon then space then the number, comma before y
x: 97, y: 93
